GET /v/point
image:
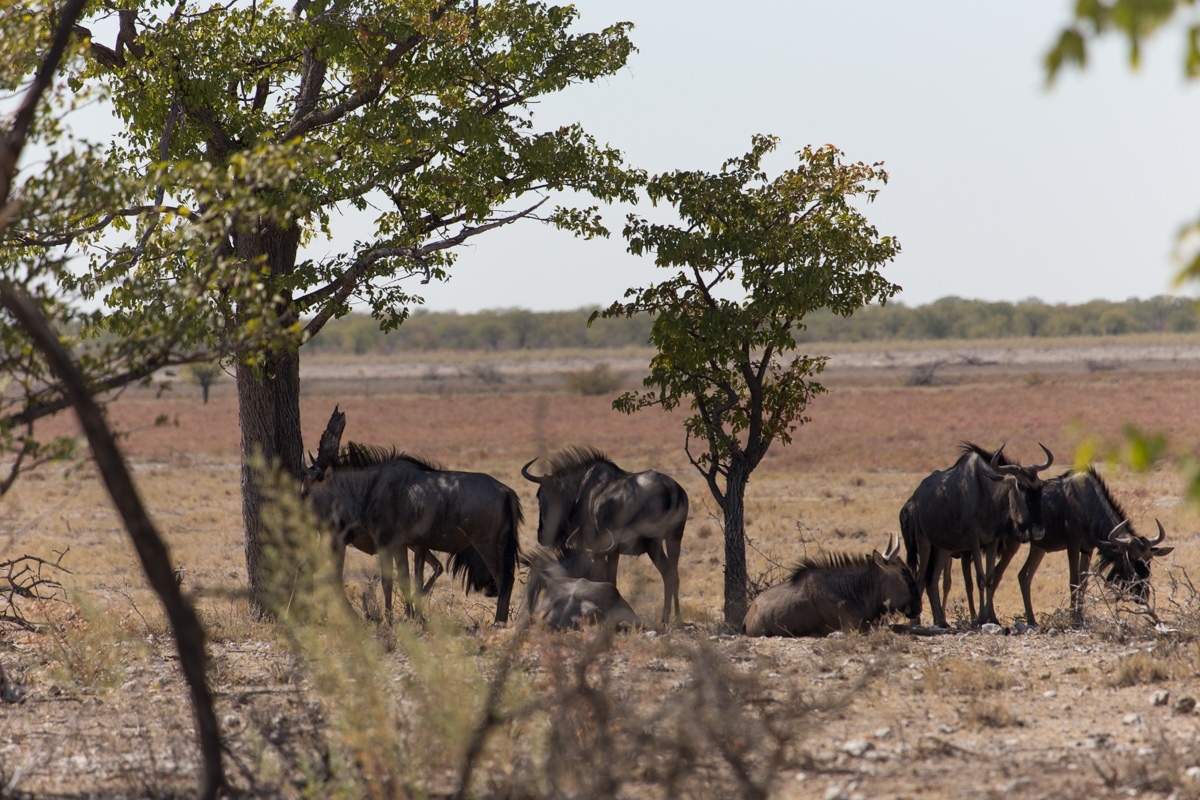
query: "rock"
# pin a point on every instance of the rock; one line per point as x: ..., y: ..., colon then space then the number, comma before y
x: 1132, y: 719
x: 1023, y: 627
x: 857, y: 747
x: 1160, y: 697
x: 991, y: 629
x: 1193, y: 773
x: 1184, y: 705
x: 836, y: 793
x: 1049, y: 693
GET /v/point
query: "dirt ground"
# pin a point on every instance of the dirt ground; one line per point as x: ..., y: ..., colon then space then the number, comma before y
x: 1107, y: 710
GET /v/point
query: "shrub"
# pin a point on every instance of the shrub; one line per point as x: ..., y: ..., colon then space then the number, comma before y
x: 595, y: 381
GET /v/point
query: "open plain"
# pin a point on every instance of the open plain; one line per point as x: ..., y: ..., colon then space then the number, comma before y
x: 1102, y: 710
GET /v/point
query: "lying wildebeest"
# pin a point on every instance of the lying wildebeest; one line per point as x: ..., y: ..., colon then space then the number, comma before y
x: 587, y: 503
x: 562, y: 594
x: 969, y: 509
x: 398, y: 502
x: 838, y: 592
x: 1081, y: 516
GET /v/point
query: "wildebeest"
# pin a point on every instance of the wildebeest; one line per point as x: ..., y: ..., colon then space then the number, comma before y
x: 969, y: 509
x: 1081, y: 516
x: 399, y: 501
x: 561, y: 593
x: 837, y: 592
x: 587, y: 503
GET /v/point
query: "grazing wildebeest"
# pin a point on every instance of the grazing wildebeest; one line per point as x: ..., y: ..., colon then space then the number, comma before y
x: 837, y: 592
x: 561, y: 593
x: 398, y: 502
x: 587, y: 503
x: 1081, y: 516
x: 970, y: 508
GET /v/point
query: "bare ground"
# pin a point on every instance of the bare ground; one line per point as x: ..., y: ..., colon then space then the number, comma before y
x: 1103, y: 711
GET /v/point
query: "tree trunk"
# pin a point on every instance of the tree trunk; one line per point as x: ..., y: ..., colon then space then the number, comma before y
x: 736, y: 579
x: 204, y: 392
x: 269, y: 415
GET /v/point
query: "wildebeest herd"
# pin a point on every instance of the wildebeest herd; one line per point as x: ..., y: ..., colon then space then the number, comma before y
x: 591, y: 512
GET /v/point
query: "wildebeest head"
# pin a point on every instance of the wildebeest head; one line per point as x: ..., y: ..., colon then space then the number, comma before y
x: 898, y: 585
x: 1025, y: 496
x: 1127, y: 558
x: 558, y: 491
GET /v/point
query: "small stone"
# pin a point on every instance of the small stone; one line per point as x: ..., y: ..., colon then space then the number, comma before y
x: 1193, y: 773
x: 836, y: 793
x: 1184, y: 705
x: 991, y: 629
x: 1044, y: 676
x: 1131, y: 719
x: 1022, y: 627
x: 883, y: 733
x: 1049, y: 693
x: 857, y: 747
x: 1160, y: 697
x: 651, y: 634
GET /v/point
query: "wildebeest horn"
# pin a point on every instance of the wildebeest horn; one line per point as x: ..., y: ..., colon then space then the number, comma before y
x: 893, y: 546
x: 1161, y: 534
x: 1003, y: 469
x: 526, y: 474
x: 1049, y: 459
x: 1114, y: 536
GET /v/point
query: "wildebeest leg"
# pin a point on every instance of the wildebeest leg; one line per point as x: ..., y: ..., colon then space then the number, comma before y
x: 661, y: 561
x: 936, y: 559
x: 421, y: 557
x: 983, y: 578
x: 1081, y: 560
x: 1007, y: 552
x: 384, y: 556
x: 1025, y: 578
x: 968, y: 584
x: 673, y: 545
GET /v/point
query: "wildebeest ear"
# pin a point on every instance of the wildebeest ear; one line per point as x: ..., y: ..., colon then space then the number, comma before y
x: 995, y: 476
x: 877, y: 558
x: 325, y: 473
x: 1160, y: 551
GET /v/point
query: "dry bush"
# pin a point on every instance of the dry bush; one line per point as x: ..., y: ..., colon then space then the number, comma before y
x: 991, y: 712
x: 971, y: 677
x: 24, y: 582
x: 599, y: 380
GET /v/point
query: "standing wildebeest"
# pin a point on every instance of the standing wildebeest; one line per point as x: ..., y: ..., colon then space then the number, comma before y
x: 400, y: 502
x: 838, y: 592
x: 562, y: 594
x: 971, y: 508
x: 587, y: 503
x: 1081, y: 516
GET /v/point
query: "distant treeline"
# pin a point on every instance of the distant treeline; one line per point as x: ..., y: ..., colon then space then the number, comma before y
x: 948, y: 318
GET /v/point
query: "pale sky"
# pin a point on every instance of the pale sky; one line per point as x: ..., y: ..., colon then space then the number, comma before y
x: 1000, y: 189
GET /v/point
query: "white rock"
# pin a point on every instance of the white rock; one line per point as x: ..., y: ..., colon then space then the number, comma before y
x: 836, y: 793
x: 857, y: 747
x: 991, y: 628
x: 1160, y: 698
x: 1131, y: 719
x: 1049, y: 693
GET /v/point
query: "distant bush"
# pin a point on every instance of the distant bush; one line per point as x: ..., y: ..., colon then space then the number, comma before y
x: 595, y: 381
x: 947, y: 318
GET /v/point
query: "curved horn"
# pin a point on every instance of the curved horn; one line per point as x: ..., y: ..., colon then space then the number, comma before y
x: 1161, y: 534
x: 1003, y: 469
x: 1049, y: 459
x: 1114, y: 536
x: 526, y: 474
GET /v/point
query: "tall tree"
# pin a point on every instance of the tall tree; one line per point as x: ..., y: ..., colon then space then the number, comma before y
x: 268, y: 122
x: 753, y: 257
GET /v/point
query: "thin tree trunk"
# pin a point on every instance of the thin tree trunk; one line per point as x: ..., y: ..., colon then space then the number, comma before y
x: 736, y: 580
x: 156, y: 561
x: 269, y: 415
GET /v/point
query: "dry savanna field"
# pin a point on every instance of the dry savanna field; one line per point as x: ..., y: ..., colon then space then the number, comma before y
x: 340, y: 708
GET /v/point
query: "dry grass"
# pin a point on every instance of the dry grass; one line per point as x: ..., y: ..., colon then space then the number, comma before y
x: 296, y: 709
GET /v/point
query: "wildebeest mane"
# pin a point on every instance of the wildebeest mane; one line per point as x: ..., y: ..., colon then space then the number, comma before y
x: 967, y: 448
x: 841, y: 562
x: 363, y: 456
x: 574, y: 459
x: 1109, y: 557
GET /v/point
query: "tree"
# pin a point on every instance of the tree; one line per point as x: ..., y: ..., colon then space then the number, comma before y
x: 265, y: 123
x: 753, y: 258
x: 204, y: 376
x: 37, y: 331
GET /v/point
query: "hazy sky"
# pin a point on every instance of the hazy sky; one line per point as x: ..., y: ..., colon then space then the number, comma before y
x: 1001, y: 189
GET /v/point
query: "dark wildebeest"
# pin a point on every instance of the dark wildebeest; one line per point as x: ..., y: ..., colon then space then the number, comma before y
x: 1081, y: 516
x: 399, y: 502
x: 969, y: 509
x: 587, y: 503
x: 561, y: 592
x: 838, y: 592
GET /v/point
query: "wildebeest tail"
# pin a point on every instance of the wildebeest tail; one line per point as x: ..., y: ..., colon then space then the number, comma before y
x: 512, y: 545
x: 471, y: 568
x: 909, y: 534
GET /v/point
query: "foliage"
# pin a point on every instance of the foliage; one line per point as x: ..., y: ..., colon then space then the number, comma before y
x: 754, y: 258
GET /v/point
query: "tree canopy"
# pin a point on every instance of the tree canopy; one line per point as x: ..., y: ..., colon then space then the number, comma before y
x: 753, y: 257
